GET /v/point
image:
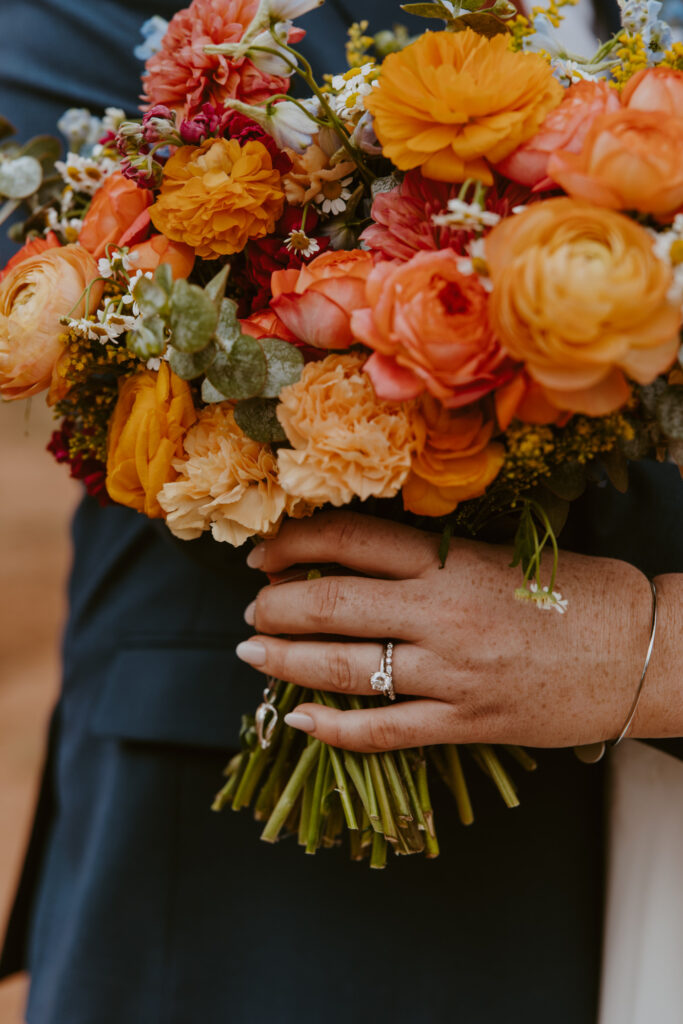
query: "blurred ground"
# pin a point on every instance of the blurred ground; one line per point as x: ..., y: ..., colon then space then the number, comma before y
x: 37, y: 500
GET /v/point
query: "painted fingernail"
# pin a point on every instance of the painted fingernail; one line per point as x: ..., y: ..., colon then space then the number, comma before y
x: 249, y: 613
x: 251, y: 651
x: 298, y: 720
x: 256, y: 557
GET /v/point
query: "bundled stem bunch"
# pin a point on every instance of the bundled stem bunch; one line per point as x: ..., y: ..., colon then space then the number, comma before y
x: 300, y: 786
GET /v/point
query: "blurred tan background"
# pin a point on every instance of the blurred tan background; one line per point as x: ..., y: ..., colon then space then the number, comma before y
x: 38, y: 498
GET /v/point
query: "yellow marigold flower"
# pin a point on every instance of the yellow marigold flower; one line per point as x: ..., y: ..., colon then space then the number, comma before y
x: 345, y: 441
x: 145, y: 435
x: 217, y: 196
x: 454, y: 102
x: 226, y: 482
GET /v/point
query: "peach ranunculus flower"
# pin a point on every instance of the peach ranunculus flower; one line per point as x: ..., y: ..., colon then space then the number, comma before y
x: 456, y: 459
x: 33, y: 297
x: 226, y: 482
x: 217, y: 196
x: 655, y: 89
x: 581, y: 299
x: 115, y: 207
x: 315, y: 303
x: 630, y: 160
x: 564, y: 128
x: 182, y: 76
x: 147, y: 256
x: 345, y: 442
x: 429, y: 327
x: 454, y: 102
x: 151, y: 416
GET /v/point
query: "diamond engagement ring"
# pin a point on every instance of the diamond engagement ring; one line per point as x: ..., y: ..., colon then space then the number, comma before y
x: 383, y: 680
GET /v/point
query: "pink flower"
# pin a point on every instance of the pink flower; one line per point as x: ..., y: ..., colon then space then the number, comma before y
x: 183, y: 77
x: 564, y: 128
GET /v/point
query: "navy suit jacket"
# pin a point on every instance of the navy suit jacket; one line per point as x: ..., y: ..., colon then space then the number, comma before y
x: 137, y: 903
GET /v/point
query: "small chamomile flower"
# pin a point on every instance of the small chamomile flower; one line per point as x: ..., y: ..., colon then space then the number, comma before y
x: 334, y: 196
x: 468, y: 216
x: 298, y: 241
x: 542, y: 597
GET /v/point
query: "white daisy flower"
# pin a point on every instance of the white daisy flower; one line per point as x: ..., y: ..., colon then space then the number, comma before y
x: 299, y: 242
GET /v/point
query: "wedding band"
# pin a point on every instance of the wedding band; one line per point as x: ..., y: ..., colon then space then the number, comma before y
x: 383, y: 680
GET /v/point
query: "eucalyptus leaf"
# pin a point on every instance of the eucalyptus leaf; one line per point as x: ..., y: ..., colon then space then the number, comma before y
x: 616, y: 468
x: 190, y: 365
x: 163, y: 276
x: 285, y: 364
x: 44, y: 148
x: 193, y: 317
x: 556, y: 509
x: 241, y: 373
x: 215, y: 289
x: 567, y: 481
x: 150, y: 297
x: 20, y: 178
x: 425, y: 10
x: 148, y: 339
x: 210, y: 394
x: 483, y: 23
x: 228, y: 328
x: 257, y: 418
x: 670, y: 413
x: 6, y: 128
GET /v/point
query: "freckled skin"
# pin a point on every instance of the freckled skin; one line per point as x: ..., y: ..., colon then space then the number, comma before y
x: 482, y: 666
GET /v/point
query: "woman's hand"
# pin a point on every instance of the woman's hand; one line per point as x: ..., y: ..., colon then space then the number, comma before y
x: 482, y: 666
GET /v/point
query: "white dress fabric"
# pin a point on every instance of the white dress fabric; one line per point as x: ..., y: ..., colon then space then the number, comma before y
x: 642, y: 974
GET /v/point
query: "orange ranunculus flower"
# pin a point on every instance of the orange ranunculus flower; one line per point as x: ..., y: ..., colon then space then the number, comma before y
x: 454, y: 102
x: 114, y: 208
x: 30, y: 248
x: 630, y: 160
x: 428, y: 324
x: 564, y: 128
x: 217, y: 196
x: 580, y: 297
x: 147, y: 256
x: 33, y: 297
x: 227, y: 483
x: 655, y: 89
x: 345, y: 442
x: 152, y: 414
x: 456, y: 459
x: 316, y: 302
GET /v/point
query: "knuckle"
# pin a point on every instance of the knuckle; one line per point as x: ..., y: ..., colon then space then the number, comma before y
x: 326, y: 597
x: 339, y: 670
x: 383, y: 734
x: 346, y: 527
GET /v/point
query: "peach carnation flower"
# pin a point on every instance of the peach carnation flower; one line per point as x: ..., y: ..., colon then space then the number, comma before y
x: 226, y: 482
x: 428, y: 324
x: 182, y: 76
x: 580, y: 297
x: 454, y: 102
x: 313, y: 175
x: 146, y: 433
x: 33, y: 296
x: 456, y: 459
x: 217, y: 196
x: 345, y: 442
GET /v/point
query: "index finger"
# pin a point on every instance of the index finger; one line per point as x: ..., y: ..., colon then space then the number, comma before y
x: 366, y: 544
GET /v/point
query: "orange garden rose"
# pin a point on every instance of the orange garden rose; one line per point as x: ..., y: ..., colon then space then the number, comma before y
x: 266, y: 324
x: 33, y: 297
x: 316, y: 302
x: 454, y: 102
x: 152, y: 414
x: 226, y: 482
x: 31, y: 248
x: 630, y: 160
x: 345, y: 443
x: 217, y: 196
x: 658, y: 89
x: 115, y: 206
x: 580, y: 297
x: 147, y: 256
x: 428, y: 324
x: 564, y: 128
x: 456, y: 459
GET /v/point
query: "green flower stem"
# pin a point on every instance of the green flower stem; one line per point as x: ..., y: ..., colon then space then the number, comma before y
x: 270, y: 790
x: 315, y: 813
x: 498, y: 774
x: 458, y: 784
x: 338, y: 768
x: 233, y: 772
x: 409, y: 782
x: 378, y: 856
x: 373, y: 806
x: 306, y: 807
x: 259, y: 758
x: 521, y: 756
x: 291, y: 791
x: 401, y: 802
x: 431, y: 842
x: 355, y: 773
x: 387, y: 817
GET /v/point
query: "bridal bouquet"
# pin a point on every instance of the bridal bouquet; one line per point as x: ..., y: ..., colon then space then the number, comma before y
x: 446, y: 282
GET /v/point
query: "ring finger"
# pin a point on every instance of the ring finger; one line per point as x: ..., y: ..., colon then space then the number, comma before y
x: 337, y: 666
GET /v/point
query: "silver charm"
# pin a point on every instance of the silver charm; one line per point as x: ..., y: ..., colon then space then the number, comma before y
x: 383, y: 680
x: 266, y: 718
